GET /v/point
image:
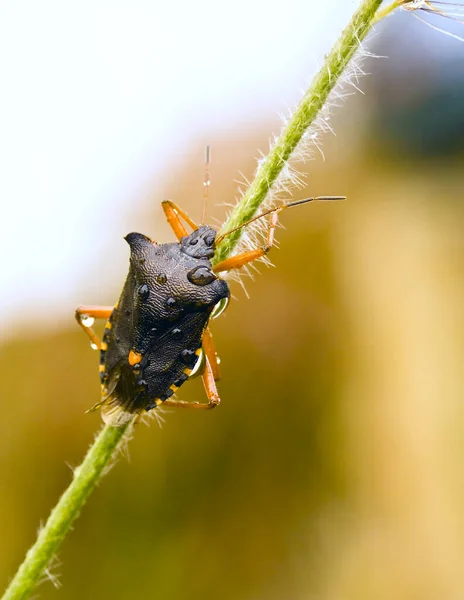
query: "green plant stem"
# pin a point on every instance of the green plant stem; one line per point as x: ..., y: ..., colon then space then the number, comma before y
x: 384, y: 12
x: 303, y: 117
x: 65, y: 512
x: 106, y: 444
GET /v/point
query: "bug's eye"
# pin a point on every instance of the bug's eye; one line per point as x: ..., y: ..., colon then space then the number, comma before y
x: 201, y: 276
x: 209, y: 241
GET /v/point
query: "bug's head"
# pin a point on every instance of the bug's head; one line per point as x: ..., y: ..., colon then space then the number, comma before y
x: 200, y: 243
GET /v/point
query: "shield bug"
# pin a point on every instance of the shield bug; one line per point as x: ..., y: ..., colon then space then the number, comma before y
x: 157, y: 336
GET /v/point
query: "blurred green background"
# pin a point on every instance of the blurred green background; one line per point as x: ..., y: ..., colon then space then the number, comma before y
x: 333, y: 468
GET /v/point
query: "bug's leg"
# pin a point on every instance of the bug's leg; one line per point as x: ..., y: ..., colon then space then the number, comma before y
x: 210, y: 386
x: 238, y: 261
x: 211, y: 354
x: 173, y: 215
x: 210, y: 389
x: 85, y: 316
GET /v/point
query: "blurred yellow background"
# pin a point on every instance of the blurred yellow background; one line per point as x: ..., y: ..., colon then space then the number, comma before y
x: 334, y: 467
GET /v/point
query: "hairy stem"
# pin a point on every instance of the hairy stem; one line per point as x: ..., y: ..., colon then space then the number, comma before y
x: 384, y: 12
x: 303, y: 117
x: 65, y: 512
x: 110, y: 438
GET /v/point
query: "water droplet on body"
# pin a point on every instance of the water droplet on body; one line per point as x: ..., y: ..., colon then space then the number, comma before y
x: 188, y: 357
x: 201, y: 275
x: 87, y: 321
x: 219, y: 308
x: 144, y: 291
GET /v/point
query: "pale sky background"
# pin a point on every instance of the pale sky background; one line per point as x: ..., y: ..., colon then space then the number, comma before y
x: 99, y: 96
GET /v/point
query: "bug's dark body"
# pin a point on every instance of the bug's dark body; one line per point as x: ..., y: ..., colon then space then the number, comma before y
x: 160, y: 319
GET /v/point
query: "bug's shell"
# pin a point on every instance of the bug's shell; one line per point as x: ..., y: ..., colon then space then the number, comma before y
x: 153, y: 337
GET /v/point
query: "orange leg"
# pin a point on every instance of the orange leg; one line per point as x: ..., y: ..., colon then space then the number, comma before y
x: 85, y: 316
x: 210, y: 389
x: 238, y: 261
x: 173, y: 215
x: 211, y: 354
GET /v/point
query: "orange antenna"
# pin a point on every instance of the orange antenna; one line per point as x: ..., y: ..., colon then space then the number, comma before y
x: 206, y: 184
x: 278, y: 209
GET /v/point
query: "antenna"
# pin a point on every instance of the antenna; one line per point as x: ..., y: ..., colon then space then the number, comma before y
x: 206, y: 184
x: 278, y: 209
